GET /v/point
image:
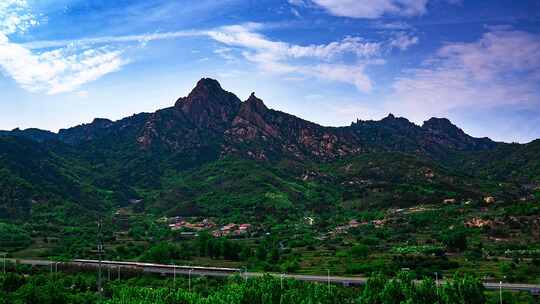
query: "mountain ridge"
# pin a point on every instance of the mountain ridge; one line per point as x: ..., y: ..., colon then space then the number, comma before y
x: 213, y: 154
x: 210, y: 111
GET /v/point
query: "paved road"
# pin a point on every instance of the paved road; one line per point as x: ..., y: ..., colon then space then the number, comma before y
x: 223, y: 272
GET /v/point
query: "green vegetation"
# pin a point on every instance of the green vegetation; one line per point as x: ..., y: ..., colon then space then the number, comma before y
x: 409, y: 210
x: 12, y: 236
x: 58, y: 288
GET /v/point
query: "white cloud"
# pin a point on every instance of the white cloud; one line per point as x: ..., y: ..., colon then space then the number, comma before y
x: 298, y: 2
x: 53, y: 72
x: 295, y: 12
x: 245, y: 35
x: 354, y: 45
x: 368, y: 8
x: 320, y: 61
x: 403, y: 41
x: 351, y: 74
x: 502, y: 68
x: 225, y: 53
x: 344, y: 60
x: 58, y: 71
x: 143, y: 39
x: 15, y: 17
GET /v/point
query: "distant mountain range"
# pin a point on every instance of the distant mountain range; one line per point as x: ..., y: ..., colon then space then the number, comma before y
x: 212, y: 153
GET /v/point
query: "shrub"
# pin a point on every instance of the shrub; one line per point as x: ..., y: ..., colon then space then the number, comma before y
x: 455, y: 239
x: 359, y: 251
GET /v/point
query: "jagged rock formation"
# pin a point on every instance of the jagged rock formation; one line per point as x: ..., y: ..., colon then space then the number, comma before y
x: 210, y: 118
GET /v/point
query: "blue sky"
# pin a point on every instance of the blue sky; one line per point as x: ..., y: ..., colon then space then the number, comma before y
x: 329, y: 61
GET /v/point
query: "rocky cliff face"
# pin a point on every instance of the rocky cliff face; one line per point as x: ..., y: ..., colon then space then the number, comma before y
x: 100, y: 128
x: 209, y: 106
x: 197, y: 121
x: 263, y: 133
x: 212, y: 119
x: 441, y: 131
x: 436, y: 137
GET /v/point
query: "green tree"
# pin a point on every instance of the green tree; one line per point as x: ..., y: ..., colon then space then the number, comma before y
x: 455, y: 239
x: 463, y: 289
x: 360, y: 251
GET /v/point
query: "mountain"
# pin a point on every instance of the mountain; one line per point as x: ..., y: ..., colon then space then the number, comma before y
x: 33, y: 178
x: 214, y: 118
x: 211, y: 153
x: 32, y: 133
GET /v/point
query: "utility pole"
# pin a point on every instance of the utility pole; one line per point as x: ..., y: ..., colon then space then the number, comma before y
x: 328, y: 278
x: 99, y: 252
x: 174, y: 275
x: 500, y: 291
x: 437, y: 284
x: 4, y: 261
x: 189, y: 274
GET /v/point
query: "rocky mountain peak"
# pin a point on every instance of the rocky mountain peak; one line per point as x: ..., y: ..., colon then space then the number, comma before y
x: 208, y: 105
x: 85, y: 132
x: 32, y: 134
x: 442, y: 125
x: 444, y: 132
x: 399, y: 122
x: 206, y: 86
x: 101, y: 122
x: 255, y: 104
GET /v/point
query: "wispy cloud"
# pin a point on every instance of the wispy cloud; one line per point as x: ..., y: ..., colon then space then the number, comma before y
x: 57, y: 71
x: 226, y: 53
x: 323, y: 60
x: 502, y: 68
x: 403, y: 41
x: 142, y: 38
x: 395, y: 25
x: 73, y: 63
x: 246, y: 35
x: 269, y: 55
x: 369, y: 9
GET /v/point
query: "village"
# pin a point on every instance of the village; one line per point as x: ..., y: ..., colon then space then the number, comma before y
x: 191, y: 228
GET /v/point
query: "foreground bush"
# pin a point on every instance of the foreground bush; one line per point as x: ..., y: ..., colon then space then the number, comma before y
x: 145, y: 289
x: 268, y: 290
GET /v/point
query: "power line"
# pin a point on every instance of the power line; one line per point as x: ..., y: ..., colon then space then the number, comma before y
x: 99, y: 252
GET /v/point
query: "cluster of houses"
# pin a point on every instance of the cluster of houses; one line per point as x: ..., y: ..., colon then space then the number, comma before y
x: 202, y: 225
x: 232, y: 229
x: 478, y: 223
x: 354, y: 224
x: 487, y: 200
x: 344, y: 228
